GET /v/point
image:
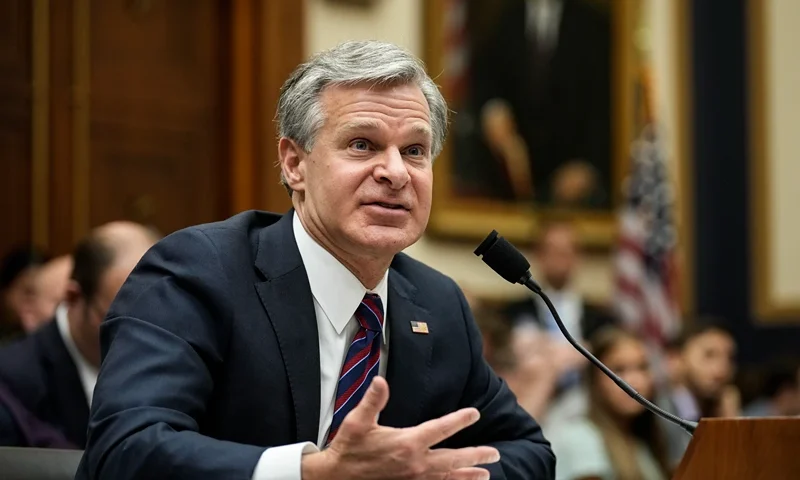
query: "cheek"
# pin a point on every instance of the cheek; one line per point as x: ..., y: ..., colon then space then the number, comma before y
x: 642, y: 383
x: 609, y: 390
x: 423, y: 187
x: 336, y: 185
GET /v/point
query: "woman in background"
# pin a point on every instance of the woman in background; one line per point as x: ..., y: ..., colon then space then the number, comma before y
x: 19, y: 271
x: 618, y: 439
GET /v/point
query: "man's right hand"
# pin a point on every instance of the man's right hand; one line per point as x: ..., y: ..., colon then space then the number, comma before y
x: 362, y: 449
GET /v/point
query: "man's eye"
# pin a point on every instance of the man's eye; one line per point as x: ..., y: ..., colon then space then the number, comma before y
x: 415, y: 151
x: 360, y: 145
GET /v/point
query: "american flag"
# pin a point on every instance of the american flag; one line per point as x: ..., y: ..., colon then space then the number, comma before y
x: 456, y: 51
x: 646, y: 280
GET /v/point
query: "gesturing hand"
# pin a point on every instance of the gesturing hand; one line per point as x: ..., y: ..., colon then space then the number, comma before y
x: 362, y: 449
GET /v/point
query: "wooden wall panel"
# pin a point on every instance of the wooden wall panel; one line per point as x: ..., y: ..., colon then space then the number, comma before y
x: 15, y: 123
x: 62, y: 105
x: 282, y: 48
x: 160, y: 112
x: 267, y: 43
x: 156, y: 113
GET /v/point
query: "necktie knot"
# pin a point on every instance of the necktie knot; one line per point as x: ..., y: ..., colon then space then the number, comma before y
x: 370, y: 313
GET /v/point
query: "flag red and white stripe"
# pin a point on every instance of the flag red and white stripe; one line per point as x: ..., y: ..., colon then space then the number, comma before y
x: 456, y: 51
x: 646, y: 281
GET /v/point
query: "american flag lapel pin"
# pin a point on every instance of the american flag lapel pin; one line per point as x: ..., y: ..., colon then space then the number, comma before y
x: 419, y: 327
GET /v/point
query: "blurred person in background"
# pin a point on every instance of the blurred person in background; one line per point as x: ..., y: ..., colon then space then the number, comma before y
x: 780, y: 394
x: 523, y: 360
x: 52, y: 285
x: 701, y: 368
x: 618, y: 439
x: 18, y: 291
x: 558, y: 257
x: 535, y: 373
x: 496, y: 333
x: 52, y: 372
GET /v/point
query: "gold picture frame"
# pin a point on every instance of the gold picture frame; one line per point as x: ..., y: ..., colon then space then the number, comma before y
x: 767, y: 308
x: 472, y: 219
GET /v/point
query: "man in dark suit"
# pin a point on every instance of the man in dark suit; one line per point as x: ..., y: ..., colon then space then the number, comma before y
x: 550, y: 61
x: 264, y: 347
x: 558, y: 259
x: 20, y: 427
x: 51, y: 372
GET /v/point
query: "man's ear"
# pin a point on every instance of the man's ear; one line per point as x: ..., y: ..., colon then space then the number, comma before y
x: 73, y: 293
x: 292, y: 159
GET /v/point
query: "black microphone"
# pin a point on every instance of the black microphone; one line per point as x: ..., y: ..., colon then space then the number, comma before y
x: 509, y: 263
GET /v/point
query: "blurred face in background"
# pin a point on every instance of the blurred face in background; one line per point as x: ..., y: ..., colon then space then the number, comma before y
x: 91, y: 311
x: 20, y: 298
x: 36, y: 292
x: 708, y: 363
x: 628, y: 359
x: 558, y: 256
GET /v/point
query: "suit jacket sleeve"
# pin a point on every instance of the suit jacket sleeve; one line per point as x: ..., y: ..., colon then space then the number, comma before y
x: 162, y: 342
x: 525, y: 453
x: 10, y: 435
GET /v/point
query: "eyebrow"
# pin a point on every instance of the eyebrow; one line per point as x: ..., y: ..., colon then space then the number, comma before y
x: 357, y: 125
x: 422, y: 129
x: 360, y: 125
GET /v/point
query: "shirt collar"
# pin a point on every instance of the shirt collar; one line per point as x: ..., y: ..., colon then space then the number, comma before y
x: 86, y: 371
x: 337, y: 291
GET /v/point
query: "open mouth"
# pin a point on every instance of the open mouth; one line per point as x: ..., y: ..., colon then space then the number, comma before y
x: 391, y: 206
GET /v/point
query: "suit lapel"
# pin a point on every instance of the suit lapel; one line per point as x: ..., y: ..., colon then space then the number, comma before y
x: 68, y: 396
x: 410, y: 353
x: 286, y: 296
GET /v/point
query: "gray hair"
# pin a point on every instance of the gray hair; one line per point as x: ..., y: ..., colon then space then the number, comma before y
x: 300, y: 114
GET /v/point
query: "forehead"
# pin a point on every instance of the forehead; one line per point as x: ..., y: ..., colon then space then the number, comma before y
x: 626, y: 349
x: 712, y: 339
x: 374, y: 106
x: 561, y: 236
x: 112, y: 279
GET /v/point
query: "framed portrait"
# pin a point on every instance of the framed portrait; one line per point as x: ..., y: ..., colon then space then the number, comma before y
x: 543, y: 96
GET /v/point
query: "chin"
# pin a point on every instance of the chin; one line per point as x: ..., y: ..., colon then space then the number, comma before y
x: 632, y: 410
x: 385, y: 240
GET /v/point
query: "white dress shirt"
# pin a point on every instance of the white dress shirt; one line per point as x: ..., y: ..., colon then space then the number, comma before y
x: 544, y: 21
x: 86, y: 371
x: 337, y: 294
x: 569, y: 305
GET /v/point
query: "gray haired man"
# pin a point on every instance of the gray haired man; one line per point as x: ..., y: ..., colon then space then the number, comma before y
x: 265, y: 347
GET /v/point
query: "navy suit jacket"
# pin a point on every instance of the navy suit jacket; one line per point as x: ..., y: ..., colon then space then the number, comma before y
x: 211, y: 354
x: 39, y: 372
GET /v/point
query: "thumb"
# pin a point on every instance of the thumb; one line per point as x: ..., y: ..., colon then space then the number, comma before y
x: 374, y: 401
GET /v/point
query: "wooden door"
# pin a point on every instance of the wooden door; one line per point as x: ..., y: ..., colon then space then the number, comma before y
x: 15, y: 123
x: 157, y: 111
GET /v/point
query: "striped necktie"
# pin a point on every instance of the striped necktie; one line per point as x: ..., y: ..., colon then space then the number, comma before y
x: 361, y: 364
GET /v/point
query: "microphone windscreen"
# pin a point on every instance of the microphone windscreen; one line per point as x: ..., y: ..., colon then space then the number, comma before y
x: 503, y: 257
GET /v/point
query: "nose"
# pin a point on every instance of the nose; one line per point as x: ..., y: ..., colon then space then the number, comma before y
x: 640, y: 380
x: 391, y: 169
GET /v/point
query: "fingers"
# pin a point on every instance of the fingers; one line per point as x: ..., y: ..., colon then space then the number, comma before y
x: 470, y: 473
x: 374, y: 401
x: 446, y: 460
x: 435, y: 431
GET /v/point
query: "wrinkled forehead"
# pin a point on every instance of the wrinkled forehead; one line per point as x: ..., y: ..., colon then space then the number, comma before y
x: 366, y: 106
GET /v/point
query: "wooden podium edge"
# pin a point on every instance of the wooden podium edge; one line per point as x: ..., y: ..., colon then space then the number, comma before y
x: 770, y: 440
x: 686, y: 460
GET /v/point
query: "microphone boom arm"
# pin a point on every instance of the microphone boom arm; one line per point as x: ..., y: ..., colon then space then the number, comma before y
x: 528, y: 281
x: 508, y: 262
